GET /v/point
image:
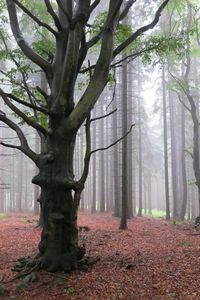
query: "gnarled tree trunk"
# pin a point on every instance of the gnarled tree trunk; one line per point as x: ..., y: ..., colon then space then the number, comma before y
x: 59, y: 240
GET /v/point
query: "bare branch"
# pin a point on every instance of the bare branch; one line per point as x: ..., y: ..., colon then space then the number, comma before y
x: 27, y: 90
x: 181, y: 101
x: 68, y: 74
x: 116, y: 142
x: 23, y: 86
x: 81, y: 13
x: 18, y: 100
x: 114, y: 91
x: 64, y: 12
x: 27, y: 50
x: 53, y: 14
x: 105, y: 116
x: 40, y: 23
x: 87, y: 152
x: 134, y: 55
x: 94, y: 5
x: 127, y: 58
x: 21, y: 114
x: 95, y: 39
x: 31, y: 96
x: 125, y: 11
x: 111, y: 16
x: 82, y: 51
x: 9, y: 145
x: 113, y: 12
x: 43, y: 93
x: 179, y: 83
x: 141, y: 30
x: 101, y: 71
x: 24, y: 147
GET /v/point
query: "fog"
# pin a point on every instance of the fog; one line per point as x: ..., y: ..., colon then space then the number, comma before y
x: 147, y: 112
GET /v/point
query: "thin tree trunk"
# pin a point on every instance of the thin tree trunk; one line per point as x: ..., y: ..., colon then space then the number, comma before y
x: 149, y: 194
x: 173, y: 156
x: 116, y: 167
x: 184, y: 177
x: 36, y: 187
x: 165, y: 146
x: 102, y: 165
x: 130, y: 147
x: 94, y: 200
x: 140, y: 152
x: 124, y: 201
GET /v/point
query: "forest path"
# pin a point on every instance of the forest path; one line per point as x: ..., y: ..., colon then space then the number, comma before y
x: 151, y: 260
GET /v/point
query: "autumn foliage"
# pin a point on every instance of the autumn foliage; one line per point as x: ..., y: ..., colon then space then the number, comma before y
x: 153, y: 259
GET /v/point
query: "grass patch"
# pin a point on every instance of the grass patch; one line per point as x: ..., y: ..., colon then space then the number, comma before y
x: 69, y: 290
x: 185, y: 244
x: 155, y: 213
x: 3, y: 215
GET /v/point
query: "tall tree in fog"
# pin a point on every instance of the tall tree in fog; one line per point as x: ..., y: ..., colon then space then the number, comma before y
x: 116, y: 184
x: 102, y: 164
x: 174, y: 163
x: 94, y: 172
x: 183, y: 160
x: 186, y: 95
x: 60, y: 193
x: 130, y: 152
x: 192, y: 108
x: 167, y: 201
x: 140, y: 148
x: 19, y: 183
x: 124, y: 200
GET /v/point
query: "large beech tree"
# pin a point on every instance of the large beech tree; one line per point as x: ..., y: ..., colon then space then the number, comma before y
x: 60, y: 193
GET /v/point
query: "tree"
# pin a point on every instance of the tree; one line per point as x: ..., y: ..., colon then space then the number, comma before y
x: 124, y: 200
x: 140, y: 151
x: 185, y: 92
x: 60, y: 193
x: 167, y: 201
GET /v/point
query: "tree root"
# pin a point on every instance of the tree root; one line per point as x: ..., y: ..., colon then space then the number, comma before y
x: 87, y: 262
x: 26, y: 266
x: 26, y: 263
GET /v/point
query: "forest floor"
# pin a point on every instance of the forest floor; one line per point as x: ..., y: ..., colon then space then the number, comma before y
x: 151, y: 260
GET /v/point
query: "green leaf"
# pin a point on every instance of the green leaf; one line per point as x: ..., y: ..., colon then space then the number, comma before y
x: 69, y: 290
x: 195, y: 52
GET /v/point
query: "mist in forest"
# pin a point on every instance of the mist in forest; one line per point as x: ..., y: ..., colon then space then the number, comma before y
x: 143, y: 132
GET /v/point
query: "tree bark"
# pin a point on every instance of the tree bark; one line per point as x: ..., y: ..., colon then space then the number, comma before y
x: 124, y: 201
x: 59, y: 239
x: 94, y: 179
x: 184, y: 176
x: 102, y: 165
x: 173, y: 156
x: 140, y: 153
x: 116, y: 166
x: 165, y: 147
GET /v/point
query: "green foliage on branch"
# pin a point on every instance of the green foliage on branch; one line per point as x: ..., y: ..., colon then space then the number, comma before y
x: 162, y: 47
x: 123, y: 31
